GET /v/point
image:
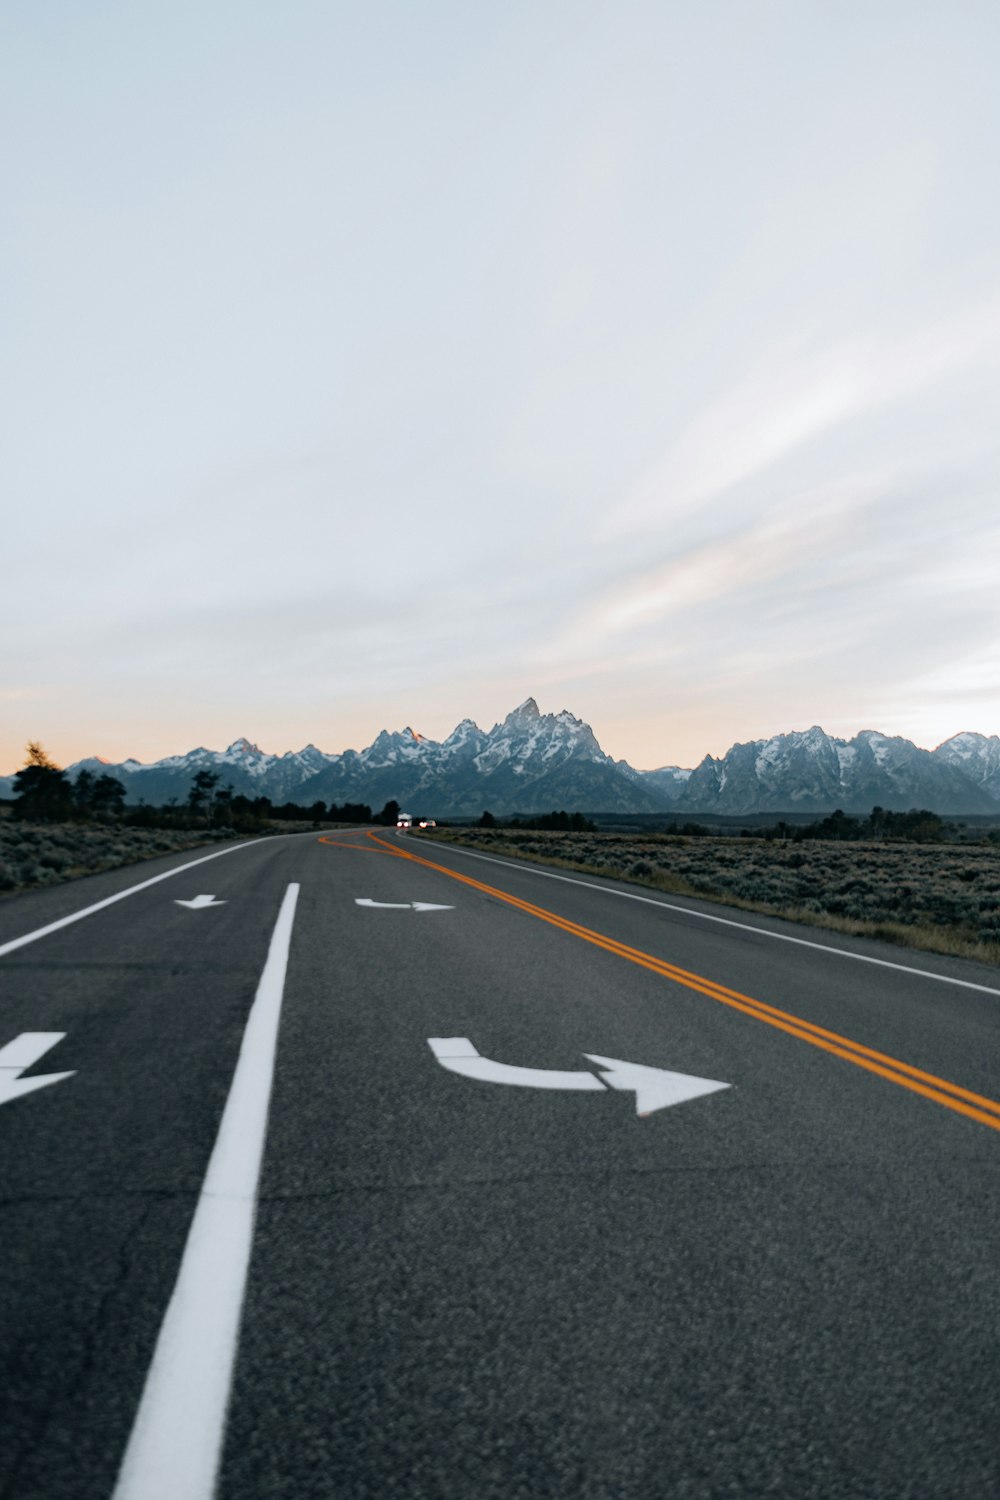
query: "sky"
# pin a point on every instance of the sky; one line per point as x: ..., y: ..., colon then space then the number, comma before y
x: 377, y: 365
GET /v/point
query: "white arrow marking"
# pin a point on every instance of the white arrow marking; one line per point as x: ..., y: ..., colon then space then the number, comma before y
x: 400, y: 905
x: 655, y: 1088
x: 23, y: 1052
x: 199, y: 902
x: 458, y: 1055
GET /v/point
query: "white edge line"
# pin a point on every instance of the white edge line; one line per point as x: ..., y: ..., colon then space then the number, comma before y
x: 176, y: 1440
x: 781, y: 937
x: 88, y: 911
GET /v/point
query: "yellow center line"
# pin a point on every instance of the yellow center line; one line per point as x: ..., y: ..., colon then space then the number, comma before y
x: 963, y: 1101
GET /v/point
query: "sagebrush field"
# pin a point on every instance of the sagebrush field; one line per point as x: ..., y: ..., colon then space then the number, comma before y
x: 35, y: 854
x: 941, y: 897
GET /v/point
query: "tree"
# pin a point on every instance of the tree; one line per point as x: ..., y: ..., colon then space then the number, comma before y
x: 389, y: 814
x: 42, y: 790
x: 222, y: 803
x: 202, y: 792
x: 351, y: 812
x: 487, y: 820
x: 107, y: 797
x: 83, y: 793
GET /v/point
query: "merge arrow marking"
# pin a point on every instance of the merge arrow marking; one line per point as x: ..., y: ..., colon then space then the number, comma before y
x: 200, y: 901
x: 23, y: 1052
x: 655, y: 1088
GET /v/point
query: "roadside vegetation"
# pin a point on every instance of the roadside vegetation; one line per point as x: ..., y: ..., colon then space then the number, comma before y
x: 36, y: 854
x: 58, y: 829
x: 940, y: 897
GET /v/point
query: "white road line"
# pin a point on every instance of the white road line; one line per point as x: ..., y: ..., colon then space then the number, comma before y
x: 88, y: 911
x: 704, y: 916
x: 176, y: 1441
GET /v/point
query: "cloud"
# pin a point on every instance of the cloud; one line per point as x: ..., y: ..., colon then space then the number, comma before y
x: 718, y: 573
x: 792, y: 395
x: 972, y: 679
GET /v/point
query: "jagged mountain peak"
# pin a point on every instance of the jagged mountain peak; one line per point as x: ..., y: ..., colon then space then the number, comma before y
x: 968, y: 742
x: 533, y: 762
x: 976, y: 756
x: 814, y: 771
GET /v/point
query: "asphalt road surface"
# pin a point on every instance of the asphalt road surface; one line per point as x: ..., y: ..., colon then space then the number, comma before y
x: 399, y: 1171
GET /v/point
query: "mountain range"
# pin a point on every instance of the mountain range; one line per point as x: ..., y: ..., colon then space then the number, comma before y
x: 535, y: 762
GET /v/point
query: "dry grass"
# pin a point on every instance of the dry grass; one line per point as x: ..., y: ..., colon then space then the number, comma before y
x: 938, y: 897
x: 36, y: 854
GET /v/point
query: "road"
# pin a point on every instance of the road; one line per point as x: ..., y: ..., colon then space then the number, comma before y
x: 422, y: 1273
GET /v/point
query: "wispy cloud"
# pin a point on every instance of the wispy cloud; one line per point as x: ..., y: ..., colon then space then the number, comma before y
x: 794, y: 394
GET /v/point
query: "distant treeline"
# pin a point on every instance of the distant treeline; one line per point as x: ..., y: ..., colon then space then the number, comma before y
x: 553, y: 822
x: 43, y: 793
x: 918, y: 826
x: 262, y: 810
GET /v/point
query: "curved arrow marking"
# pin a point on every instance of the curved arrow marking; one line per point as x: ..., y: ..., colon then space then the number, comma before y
x: 21, y: 1053
x: 654, y: 1088
x: 458, y: 1055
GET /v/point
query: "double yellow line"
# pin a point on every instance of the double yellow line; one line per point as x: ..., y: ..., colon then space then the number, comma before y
x: 962, y: 1101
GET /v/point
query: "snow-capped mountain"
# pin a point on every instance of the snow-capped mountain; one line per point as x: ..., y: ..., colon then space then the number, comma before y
x: 535, y: 762
x: 978, y: 755
x: 528, y: 763
x: 531, y: 762
x: 244, y: 766
x: 811, y: 771
x: 667, y: 783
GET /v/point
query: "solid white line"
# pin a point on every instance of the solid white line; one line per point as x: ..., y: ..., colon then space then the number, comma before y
x: 88, y: 911
x: 781, y: 937
x: 176, y: 1441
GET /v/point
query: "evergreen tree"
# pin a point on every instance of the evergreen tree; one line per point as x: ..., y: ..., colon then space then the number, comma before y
x: 107, y: 797
x: 43, y: 791
x: 83, y: 793
x: 202, y: 792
